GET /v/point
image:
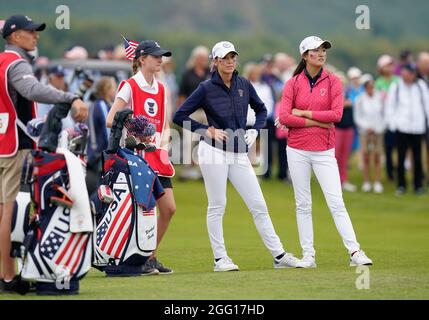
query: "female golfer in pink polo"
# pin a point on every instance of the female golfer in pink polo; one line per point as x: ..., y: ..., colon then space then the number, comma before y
x: 312, y: 101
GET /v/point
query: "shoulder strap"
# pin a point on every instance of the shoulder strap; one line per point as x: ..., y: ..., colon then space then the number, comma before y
x: 397, y: 93
x: 422, y: 100
x: 24, y: 128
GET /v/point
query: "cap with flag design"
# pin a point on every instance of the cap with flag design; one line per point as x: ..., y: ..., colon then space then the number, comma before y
x: 152, y: 48
x: 20, y: 22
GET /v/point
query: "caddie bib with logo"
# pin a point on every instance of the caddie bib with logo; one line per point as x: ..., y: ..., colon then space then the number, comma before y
x: 152, y: 107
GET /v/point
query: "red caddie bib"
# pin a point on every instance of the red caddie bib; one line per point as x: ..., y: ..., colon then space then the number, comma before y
x: 8, y: 129
x: 152, y: 107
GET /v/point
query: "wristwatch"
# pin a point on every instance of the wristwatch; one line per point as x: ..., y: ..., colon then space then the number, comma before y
x: 74, y: 99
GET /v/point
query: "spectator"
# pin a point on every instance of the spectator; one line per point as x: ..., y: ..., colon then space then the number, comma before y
x: 169, y: 79
x: 385, y: 66
x: 41, y: 72
x: 423, y: 73
x: 76, y: 53
x: 344, y: 130
x: 197, y: 70
x: 423, y: 67
x: 405, y: 56
x: 281, y: 137
x: 253, y: 73
x: 105, y: 90
x: 407, y: 111
x: 119, y: 52
x: 107, y: 53
x: 55, y: 80
x: 73, y: 76
x: 270, y: 77
x: 284, y: 64
x: 368, y: 116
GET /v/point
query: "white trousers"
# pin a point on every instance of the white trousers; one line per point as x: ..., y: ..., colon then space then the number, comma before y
x: 325, y: 168
x: 217, y: 166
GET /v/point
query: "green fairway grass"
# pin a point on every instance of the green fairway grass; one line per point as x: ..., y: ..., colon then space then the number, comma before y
x: 393, y: 231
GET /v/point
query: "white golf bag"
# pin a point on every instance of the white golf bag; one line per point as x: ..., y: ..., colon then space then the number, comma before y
x: 52, y: 225
x: 126, y: 220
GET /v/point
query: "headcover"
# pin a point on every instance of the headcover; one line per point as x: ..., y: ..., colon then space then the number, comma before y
x: 48, y: 140
x: 140, y: 127
x: 78, y: 136
x: 137, y: 129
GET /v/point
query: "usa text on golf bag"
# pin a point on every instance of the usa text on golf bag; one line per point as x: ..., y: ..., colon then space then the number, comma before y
x: 126, y: 231
x: 52, y: 228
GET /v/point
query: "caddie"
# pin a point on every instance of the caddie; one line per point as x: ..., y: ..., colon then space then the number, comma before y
x: 19, y: 90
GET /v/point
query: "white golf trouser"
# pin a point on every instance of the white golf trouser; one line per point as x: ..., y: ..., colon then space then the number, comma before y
x: 325, y: 168
x: 216, y: 167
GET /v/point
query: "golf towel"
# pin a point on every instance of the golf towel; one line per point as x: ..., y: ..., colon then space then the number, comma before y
x: 80, y: 213
x: 145, y: 183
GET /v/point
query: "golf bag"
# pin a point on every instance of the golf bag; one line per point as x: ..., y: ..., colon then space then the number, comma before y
x: 52, y: 224
x: 126, y: 221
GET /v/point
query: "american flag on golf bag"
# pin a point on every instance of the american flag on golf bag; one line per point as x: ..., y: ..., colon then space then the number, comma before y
x: 65, y: 251
x: 112, y: 234
x: 130, y: 48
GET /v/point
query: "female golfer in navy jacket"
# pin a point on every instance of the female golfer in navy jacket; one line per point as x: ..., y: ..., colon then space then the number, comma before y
x: 223, y: 152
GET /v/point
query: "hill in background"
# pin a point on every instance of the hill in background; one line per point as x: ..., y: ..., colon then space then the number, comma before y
x: 257, y: 27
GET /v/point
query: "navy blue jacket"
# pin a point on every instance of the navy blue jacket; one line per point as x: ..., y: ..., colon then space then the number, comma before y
x: 226, y: 109
x: 98, y: 133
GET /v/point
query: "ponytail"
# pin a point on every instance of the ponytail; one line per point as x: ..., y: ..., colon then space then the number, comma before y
x: 299, y: 68
x: 136, y: 65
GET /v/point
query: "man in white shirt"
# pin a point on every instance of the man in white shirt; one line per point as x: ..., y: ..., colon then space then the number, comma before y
x: 407, y: 113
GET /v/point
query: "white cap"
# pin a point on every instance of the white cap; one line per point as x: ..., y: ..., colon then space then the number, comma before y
x: 221, y: 49
x: 384, y: 60
x: 353, y: 73
x: 365, y: 78
x: 311, y: 43
x: 76, y: 53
